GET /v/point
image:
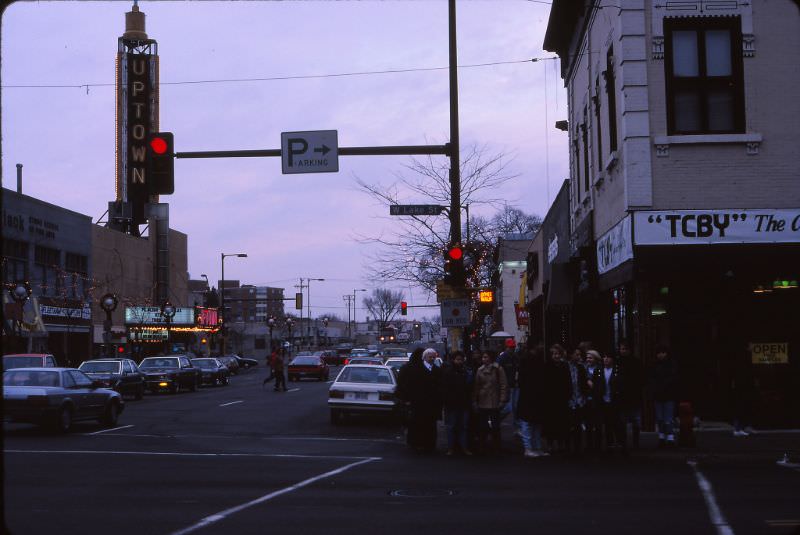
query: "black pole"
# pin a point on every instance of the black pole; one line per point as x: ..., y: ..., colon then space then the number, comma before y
x: 455, y: 175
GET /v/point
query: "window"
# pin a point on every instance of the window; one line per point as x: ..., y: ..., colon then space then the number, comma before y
x: 596, y: 102
x: 577, y: 158
x: 611, y: 95
x: 585, y: 140
x: 704, y: 78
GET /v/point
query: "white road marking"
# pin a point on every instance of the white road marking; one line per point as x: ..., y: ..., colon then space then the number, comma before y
x: 292, y: 390
x: 791, y: 466
x: 227, y: 512
x: 324, y: 439
x: 107, y: 430
x: 717, y: 518
x: 231, y: 403
x: 184, y: 454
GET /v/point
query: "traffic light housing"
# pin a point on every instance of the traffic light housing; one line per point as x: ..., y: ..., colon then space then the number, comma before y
x: 161, y: 163
x: 298, y: 301
x: 403, y: 308
x: 454, y: 272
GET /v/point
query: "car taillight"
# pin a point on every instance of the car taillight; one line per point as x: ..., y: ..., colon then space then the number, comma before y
x: 346, y: 362
x: 338, y: 394
x: 386, y: 396
x: 37, y: 401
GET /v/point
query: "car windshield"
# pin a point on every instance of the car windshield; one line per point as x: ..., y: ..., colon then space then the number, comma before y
x: 204, y: 363
x: 396, y: 364
x: 156, y: 362
x: 365, y: 375
x: 365, y: 361
x: 31, y: 378
x: 359, y: 354
x: 21, y: 362
x: 100, y: 367
x: 305, y: 361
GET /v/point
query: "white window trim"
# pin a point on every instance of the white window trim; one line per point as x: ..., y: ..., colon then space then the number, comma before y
x: 751, y: 140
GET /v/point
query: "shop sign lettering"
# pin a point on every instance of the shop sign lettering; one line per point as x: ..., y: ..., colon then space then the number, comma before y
x: 684, y: 227
x: 615, y: 246
x: 770, y: 352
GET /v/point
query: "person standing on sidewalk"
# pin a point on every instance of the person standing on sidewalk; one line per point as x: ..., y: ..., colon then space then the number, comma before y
x: 509, y: 361
x: 531, y: 383
x: 594, y: 420
x: 418, y: 386
x: 579, y: 389
x: 489, y: 395
x: 608, y: 384
x: 557, y: 394
x: 456, y: 390
x: 630, y: 406
x: 663, y: 389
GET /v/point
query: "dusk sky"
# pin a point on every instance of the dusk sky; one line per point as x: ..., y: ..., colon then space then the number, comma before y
x: 290, y: 226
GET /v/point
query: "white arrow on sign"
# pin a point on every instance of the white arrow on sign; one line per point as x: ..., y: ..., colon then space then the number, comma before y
x: 316, y: 151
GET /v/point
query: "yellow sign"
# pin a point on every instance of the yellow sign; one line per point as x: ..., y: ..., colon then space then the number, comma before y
x: 486, y: 296
x: 770, y: 353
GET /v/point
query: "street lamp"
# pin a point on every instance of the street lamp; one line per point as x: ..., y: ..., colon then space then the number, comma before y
x: 20, y: 292
x: 109, y: 304
x: 271, y: 324
x: 168, y: 311
x: 290, y: 325
x: 223, y: 256
x: 208, y: 288
x: 308, y: 330
x: 354, y: 309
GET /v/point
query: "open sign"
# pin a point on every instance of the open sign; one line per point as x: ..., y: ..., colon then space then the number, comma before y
x: 770, y: 352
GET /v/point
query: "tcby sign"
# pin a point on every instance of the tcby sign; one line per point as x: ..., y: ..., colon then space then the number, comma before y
x: 686, y: 227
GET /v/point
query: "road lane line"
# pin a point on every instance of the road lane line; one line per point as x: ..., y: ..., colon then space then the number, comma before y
x: 231, y: 403
x: 227, y: 512
x: 107, y: 430
x: 714, y: 512
x: 292, y: 390
x: 186, y: 454
x: 297, y: 438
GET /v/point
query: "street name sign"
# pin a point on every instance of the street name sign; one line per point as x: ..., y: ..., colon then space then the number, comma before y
x: 455, y: 312
x: 415, y: 209
x: 316, y: 151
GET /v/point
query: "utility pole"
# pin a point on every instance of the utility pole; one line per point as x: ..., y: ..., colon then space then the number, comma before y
x: 302, y: 287
x: 348, y: 299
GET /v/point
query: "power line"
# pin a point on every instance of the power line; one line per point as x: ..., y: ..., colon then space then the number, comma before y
x: 279, y: 78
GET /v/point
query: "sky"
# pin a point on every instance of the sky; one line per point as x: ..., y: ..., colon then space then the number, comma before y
x: 291, y: 226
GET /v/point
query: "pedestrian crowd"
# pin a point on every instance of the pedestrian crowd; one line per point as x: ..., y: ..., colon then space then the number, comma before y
x: 558, y: 401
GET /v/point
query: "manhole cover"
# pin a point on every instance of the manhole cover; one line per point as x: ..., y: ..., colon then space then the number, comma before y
x: 422, y: 493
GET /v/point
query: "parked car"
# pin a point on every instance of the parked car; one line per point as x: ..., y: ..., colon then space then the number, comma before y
x: 372, y: 361
x: 357, y: 352
x: 29, y: 360
x: 359, y: 389
x: 57, y: 397
x: 308, y: 366
x: 395, y: 363
x: 212, y: 371
x: 390, y: 352
x: 170, y: 373
x: 245, y: 363
x: 122, y: 375
x: 331, y: 358
x: 231, y: 363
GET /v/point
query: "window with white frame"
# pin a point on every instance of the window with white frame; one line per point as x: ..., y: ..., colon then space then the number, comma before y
x: 704, y: 75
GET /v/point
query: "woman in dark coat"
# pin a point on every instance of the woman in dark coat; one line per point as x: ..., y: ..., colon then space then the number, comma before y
x: 418, y: 386
x: 532, y: 400
x: 558, y: 388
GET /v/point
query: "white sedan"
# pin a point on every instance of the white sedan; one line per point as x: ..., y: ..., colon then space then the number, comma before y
x: 362, y: 388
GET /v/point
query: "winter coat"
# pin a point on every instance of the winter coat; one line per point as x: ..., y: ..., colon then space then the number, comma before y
x: 456, y: 387
x: 490, y: 390
x: 532, y: 390
x: 509, y: 361
x: 599, y: 385
x: 630, y: 368
x: 664, y: 380
x: 421, y: 388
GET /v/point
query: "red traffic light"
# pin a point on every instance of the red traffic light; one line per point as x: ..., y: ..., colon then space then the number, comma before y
x: 403, y: 308
x: 159, y: 145
x: 120, y: 349
x: 455, y: 253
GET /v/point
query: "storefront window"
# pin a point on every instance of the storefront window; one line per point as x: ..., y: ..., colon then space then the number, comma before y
x: 619, y: 315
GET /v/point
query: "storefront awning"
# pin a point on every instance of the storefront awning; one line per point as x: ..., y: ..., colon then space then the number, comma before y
x: 559, y: 291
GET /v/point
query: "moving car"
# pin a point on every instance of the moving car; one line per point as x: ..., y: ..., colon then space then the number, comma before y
x: 360, y: 389
x: 121, y: 375
x: 395, y: 363
x: 170, y: 373
x: 57, y: 397
x: 308, y: 366
x: 231, y: 363
x: 372, y: 361
x: 29, y: 360
x: 212, y: 371
x: 357, y: 352
x: 245, y: 363
x: 331, y: 358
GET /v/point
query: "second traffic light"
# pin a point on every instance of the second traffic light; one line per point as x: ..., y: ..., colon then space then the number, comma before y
x: 403, y: 308
x: 454, y: 273
x: 298, y: 301
x: 161, y: 163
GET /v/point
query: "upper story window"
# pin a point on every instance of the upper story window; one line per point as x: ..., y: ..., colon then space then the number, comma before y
x: 704, y: 75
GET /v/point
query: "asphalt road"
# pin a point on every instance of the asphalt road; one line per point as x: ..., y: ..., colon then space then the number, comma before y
x: 244, y: 459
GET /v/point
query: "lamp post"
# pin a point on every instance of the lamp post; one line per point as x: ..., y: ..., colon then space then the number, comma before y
x: 168, y: 311
x: 289, y: 325
x: 308, y: 329
x: 355, y: 323
x: 208, y: 288
x: 20, y: 292
x: 223, y: 256
x: 109, y: 304
x: 271, y: 325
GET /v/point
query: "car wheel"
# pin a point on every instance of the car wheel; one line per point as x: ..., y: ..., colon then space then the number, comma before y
x: 139, y: 393
x: 63, y: 423
x: 336, y: 416
x: 174, y: 388
x: 226, y: 381
x: 110, y: 415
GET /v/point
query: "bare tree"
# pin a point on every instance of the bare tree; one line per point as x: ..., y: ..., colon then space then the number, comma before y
x: 414, y: 252
x: 383, y: 305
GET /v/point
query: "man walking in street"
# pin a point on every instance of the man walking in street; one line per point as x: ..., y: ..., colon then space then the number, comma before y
x: 270, y: 358
x: 277, y: 371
